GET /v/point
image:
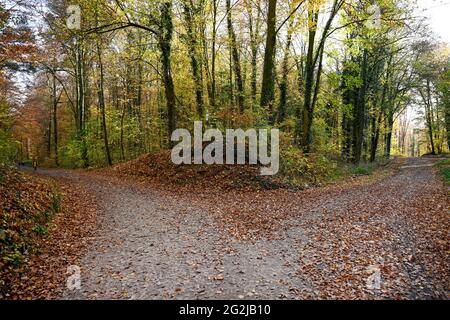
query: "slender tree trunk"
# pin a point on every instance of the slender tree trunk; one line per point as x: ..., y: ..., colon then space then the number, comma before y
x: 206, y: 61
x: 429, y: 116
x: 389, y: 123
x: 346, y: 119
x: 81, y: 99
x: 360, y: 112
x: 283, y: 83
x: 196, y: 70
x: 447, y: 121
x: 101, y: 99
x: 267, y: 86
x: 213, y: 55
x: 230, y: 73
x: 375, y: 136
x: 309, y: 80
x: 122, y: 118
x: 55, y: 119
x: 254, y: 27
x: 314, y: 58
x: 49, y: 135
x: 236, y: 60
x: 164, y: 42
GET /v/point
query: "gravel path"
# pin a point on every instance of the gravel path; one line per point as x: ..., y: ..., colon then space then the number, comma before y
x: 150, y: 245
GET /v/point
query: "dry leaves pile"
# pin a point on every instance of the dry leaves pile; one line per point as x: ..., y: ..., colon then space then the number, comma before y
x: 159, y: 168
x: 27, y: 206
x: 41, y: 272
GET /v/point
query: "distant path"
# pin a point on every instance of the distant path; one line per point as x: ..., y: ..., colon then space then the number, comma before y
x: 152, y: 246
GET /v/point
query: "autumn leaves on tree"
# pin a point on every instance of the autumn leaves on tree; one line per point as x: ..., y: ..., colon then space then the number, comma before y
x: 334, y: 76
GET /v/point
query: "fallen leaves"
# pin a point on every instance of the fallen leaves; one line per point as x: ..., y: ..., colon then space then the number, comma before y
x: 395, y: 225
x: 42, y: 274
x: 377, y: 239
x: 27, y: 206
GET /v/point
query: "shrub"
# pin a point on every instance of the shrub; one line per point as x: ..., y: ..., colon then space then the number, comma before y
x: 70, y: 156
x: 8, y: 148
x: 299, y: 169
x: 444, y: 169
x: 361, y: 170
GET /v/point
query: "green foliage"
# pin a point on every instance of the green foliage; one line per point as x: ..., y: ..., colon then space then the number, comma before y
x: 361, y: 170
x: 14, y: 258
x: 320, y: 134
x: 70, y: 154
x: 39, y: 229
x: 56, y: 203
x: 8, y: 148
x: 297, y: 169
x: 294, y: 166
x: 444, y: 169
x: 127, y: 132
x: 446, y: 174
x: 27, y: 206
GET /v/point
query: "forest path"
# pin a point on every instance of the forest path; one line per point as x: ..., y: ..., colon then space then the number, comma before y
x: 382, y: 239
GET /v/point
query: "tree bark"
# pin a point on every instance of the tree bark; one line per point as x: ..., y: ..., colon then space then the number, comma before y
x: 359, y: 112
x: 195, y: 65
x: 213, y: 55
x: 314, y: 58
x: 389, y: 122
x: 309, y: 79
x: 254, y: 35
x: 164, y: 42
x: 267, y: 86
x: 236, y: 60
x: 284, y: 80
x: 101, y: 100
x: 55, y: 119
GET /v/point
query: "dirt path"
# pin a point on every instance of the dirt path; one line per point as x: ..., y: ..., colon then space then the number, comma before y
x: 387, y: 239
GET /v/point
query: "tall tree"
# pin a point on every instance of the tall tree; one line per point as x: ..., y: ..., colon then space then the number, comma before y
x: 313, y: 67
x: 235, y: 57
x: 191, y: 12
x: 254, y: 30
x: 268, y: 84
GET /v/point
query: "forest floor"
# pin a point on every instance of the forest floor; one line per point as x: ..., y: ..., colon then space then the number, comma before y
x: 377, y: 237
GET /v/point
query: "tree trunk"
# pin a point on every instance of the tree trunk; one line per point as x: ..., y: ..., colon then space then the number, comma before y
x: 447, y: 121
x: 55, y: 120
x: 235, y: 56
x: 284, y: 80
x: 359, y: 112
x: 213, y: 55
x: 388, y: 135
x: 101, y: 100
x: 164, y: 42
x: 196, y: 70
x: 313, y: 59
x: 122, y: 118
x: 81, y: 100
x: 254, y: 33
x: 429, y: 116
x: 375, y: 136
x: 309, y: 74
x: 49, y: 135
x: 267, y: 86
